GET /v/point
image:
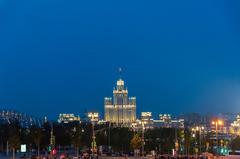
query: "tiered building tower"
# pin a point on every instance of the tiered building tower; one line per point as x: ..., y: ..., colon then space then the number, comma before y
x: 120, y: 110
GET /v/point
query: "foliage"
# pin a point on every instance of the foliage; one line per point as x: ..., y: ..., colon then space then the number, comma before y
x: 14, y: 142
x: 76, y: 137
x: 121, y: 139
x: 235, y: 144
x: 161, y: 139
x: 36, y: 135
x: 14, y: 135
x: 136, y: 142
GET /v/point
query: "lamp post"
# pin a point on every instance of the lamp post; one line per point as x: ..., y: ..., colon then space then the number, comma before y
x: 93, y: 118
x: 194, y: 130
x: 134, y: 125
x: 217, y: 123
x: 200, y: 129
x: 143, y: 142
x: 109, y: 136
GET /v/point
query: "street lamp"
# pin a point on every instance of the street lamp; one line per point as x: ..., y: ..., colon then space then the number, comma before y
x: 134, y: 125
x: 93, y: 118
x: 143, y: 128
x: 217, y: 123
x: 200, y: 129
x: 195, y: 140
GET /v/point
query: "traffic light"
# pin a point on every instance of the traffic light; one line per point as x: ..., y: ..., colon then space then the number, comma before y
x: 53, y: 152
x: 224, y: 151
x: 49, y: 148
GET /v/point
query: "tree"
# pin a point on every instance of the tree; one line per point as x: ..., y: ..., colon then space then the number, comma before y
x: 162, y: 139
x: 189, y: 141
x: 14, y: 143
x: 120, y: 137
x: 14, y: 137
x: 136, y: 142
x: 36, y: 134
x: 76, y: 139
x: 3, y: 135
x: 63, y: 133
x: 235, y: 144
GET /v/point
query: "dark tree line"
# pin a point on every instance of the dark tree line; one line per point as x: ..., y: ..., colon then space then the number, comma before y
x: 79, y: 137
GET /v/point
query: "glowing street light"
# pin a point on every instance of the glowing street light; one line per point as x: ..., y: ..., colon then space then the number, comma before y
x: 93, y: 116
x: 217, y: 123
x: 195, y: 130
x: 143, y: 128
x: 200, y: 129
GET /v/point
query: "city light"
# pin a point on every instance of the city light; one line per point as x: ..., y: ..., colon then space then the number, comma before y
x: 93, y: 116
x: 217, y: 123
x: 119, y: 79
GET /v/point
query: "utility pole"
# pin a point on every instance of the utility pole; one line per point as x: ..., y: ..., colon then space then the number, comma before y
x: 109, y: 128
x: 7, y: 148
x: 52, y: 143
x: 143, y: 142
x: 216, y: 124
x: 176, y: 142
x: 200, y: 140
x: 52, y: 138
x: 93, y: 139
x: 217, y: 136
x: 93, y: 118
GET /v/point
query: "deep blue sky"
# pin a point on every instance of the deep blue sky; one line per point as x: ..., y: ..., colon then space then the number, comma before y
x: 63, y: 56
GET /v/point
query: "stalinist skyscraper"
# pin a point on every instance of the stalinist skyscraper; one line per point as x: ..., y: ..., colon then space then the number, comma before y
x: 120, y: 110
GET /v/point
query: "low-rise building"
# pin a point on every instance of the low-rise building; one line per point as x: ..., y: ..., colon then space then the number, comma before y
x: 146, y: 118
x: 166, y: 120
x: 235, y: 126
x: 67, y: 118
x: 93, y: 117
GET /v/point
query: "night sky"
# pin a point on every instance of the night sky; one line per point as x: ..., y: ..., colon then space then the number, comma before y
x: 63, y: 56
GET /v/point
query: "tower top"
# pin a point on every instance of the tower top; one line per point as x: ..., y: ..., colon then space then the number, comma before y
x: 119, y: 69
x: 120, y: 82
x: 120, y: 72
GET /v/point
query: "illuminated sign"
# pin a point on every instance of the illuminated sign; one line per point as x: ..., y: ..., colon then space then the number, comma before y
x: 23, y: 148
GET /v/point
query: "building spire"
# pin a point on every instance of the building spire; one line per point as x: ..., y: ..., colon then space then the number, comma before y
x: 120, y: 72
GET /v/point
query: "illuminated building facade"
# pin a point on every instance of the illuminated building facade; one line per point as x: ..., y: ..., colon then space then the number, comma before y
x: 25, y: 120
x: 120, y: 110
x: 93, y: 116
x: 235, y: 126
x: 165, y: 120
x: 146, y: 117
x: 67, y: 118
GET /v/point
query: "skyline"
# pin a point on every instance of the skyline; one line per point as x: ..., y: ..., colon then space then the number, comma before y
x: 64, y: 56
x: 155, y: 115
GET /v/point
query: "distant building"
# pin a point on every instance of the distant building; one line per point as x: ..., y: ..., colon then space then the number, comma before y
x: 25, y: 120
x: 165, y: 120
x: 235, y: 126
x: 67, y: 118
x: 193, y: 119
x: 93, y: 116
x: 146, y: 118
x: 120, y: 110
x: 45, y: 119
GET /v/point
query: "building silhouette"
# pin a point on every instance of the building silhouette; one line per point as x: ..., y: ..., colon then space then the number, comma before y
x: 121, y: 109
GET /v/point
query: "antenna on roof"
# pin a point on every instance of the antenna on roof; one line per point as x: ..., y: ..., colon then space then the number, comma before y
x: 120, y: 72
